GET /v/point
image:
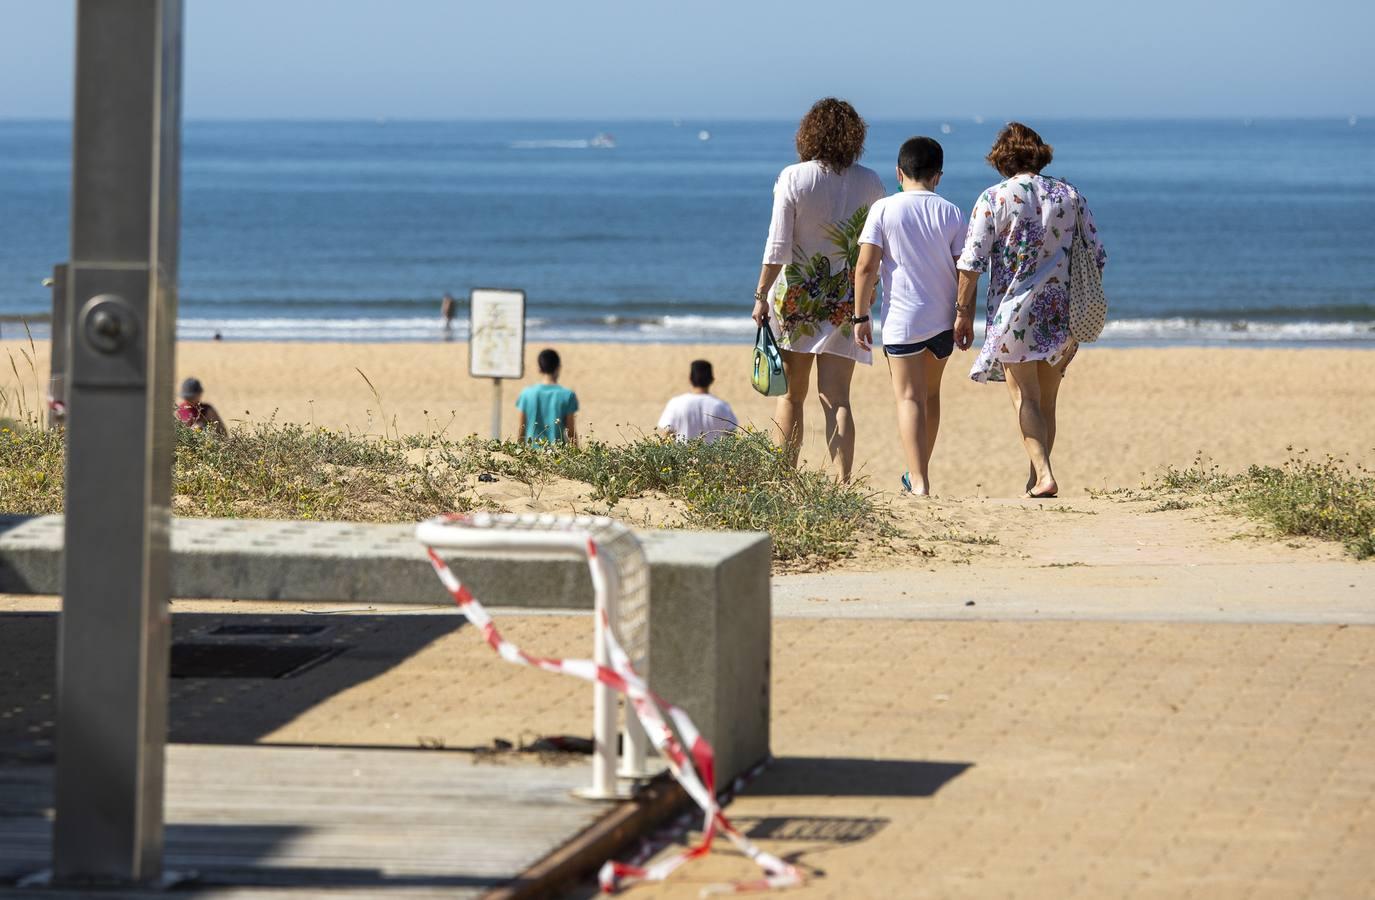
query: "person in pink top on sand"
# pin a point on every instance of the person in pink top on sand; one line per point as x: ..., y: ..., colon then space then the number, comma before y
x: 194, y: 413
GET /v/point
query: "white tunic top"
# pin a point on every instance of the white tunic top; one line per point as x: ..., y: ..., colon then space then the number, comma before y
x: 814, y: 297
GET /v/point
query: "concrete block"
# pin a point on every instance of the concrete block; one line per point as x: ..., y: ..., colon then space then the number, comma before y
x: 710, y: 615
x: 710, y: 625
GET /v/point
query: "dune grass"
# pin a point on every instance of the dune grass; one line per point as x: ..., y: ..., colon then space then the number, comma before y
x: 741, y: 482
x: 1324, y: 498
x: 290, y: 471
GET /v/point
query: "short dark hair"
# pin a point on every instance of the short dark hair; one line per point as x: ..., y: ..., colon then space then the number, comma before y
x: 831, y: 133
x: 1019, y: 149
x: 921, y: 158
x: 549, y: 361
x: 700, y: 374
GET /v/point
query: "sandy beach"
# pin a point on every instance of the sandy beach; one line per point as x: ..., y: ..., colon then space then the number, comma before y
x: 1124, y: 413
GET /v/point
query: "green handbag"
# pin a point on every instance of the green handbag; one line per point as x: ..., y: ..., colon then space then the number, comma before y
x: 769, y: 378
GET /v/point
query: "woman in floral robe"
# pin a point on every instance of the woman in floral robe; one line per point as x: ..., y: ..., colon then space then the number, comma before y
x: 806, y: 284
x: 1020, y: 233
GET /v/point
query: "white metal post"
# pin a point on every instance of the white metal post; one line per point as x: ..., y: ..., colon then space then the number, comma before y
x: 604, y: 731
x: 635, y: 745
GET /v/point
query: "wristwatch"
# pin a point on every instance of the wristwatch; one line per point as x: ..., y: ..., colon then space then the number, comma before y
x: 855, y: 320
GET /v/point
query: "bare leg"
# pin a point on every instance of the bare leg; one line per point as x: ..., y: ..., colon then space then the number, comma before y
x: 788, y: 413
x: 833, y: 374
x: 1049, y: 378
x: 1025, y: 388
x: 935, y: 368
x: 917, y: 391
x: 910, y: 393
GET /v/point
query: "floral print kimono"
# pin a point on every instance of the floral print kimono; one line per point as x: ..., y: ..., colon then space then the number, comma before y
x: 814, y: 234
x: 1020, y: 233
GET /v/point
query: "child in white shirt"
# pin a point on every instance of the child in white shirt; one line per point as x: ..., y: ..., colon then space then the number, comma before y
x: 697, y: 414
x: 911, y: 240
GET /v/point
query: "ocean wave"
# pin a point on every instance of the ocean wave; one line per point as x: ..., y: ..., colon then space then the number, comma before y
x: 710, y: 329
x: 713, y: 329
x: 550, y: 145
x: 1181, y: 330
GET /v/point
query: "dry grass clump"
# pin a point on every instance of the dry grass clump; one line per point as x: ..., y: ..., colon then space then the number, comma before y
x: 742, y: 482
x: 289, y: 471
x: 1325, y: 498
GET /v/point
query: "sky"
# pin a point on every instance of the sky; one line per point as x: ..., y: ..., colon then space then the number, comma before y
x: 725, y: 59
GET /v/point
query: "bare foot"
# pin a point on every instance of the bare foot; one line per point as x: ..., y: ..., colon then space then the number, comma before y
x: 1042, y: 490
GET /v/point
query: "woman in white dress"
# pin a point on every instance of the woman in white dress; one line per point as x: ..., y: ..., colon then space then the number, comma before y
x: 1020, y: 233
x: 806, y: 284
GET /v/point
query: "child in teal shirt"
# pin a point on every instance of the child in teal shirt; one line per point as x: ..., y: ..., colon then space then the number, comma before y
x: 547, y: 409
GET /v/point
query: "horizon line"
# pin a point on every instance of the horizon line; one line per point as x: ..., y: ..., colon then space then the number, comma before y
x: 963, y: 117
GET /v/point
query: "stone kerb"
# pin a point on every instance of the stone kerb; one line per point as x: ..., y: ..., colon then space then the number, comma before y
x: 710, y: 616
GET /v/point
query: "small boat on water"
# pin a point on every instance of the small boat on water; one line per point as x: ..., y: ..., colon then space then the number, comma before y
x: 603, y: 140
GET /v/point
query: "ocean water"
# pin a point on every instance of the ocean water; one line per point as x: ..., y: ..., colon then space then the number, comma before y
x: 1218, y: 231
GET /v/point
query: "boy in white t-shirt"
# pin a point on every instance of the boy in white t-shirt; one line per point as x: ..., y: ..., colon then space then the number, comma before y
x: 697, y: 413
x: 912, y: 240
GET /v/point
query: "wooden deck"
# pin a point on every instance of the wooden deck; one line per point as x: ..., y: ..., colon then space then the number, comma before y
x: 264, y: 821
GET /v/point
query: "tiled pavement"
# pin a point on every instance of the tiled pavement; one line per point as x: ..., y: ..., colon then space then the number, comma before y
x: 973, y: 759
x: 1103, y: 760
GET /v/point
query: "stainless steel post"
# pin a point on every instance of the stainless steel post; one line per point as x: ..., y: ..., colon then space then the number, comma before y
x: 113, y: 652
x: 57, y: 355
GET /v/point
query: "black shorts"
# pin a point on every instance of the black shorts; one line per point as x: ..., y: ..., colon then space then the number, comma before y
x: 941, y: 346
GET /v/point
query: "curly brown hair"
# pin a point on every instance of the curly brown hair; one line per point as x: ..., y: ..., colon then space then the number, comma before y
x: 1018, y: 149
x: 831, y: 133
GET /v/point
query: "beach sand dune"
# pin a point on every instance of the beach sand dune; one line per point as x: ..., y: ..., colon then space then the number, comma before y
x: 1125, y: 413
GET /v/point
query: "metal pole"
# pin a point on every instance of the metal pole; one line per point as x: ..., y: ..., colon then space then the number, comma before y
x: 121, y: 315
x: 496, y: 409
x: 604, y: 732
x: 57, y: 367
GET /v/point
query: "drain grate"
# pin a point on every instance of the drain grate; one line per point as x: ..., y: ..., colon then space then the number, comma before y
x: 267, y: 630
x: 191, y: 660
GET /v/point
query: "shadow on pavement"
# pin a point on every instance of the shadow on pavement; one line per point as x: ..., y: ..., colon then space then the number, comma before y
x: 819, y: 776
x: 245, y: 674
x: 222, y: 856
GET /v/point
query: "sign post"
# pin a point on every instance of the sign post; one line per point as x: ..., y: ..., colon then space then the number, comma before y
x: 496, y: 341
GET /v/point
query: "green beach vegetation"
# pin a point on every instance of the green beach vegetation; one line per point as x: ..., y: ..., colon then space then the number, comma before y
x: 291, y: 471
x: 1324, y: 498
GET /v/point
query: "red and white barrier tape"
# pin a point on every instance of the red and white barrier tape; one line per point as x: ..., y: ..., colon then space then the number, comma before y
x: 694, y: 768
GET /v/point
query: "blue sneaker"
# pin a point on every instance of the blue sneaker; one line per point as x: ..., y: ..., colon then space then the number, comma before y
x: 906, y: 483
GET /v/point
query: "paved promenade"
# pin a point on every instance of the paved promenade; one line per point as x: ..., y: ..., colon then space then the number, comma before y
x: 931, y: 757
x: 1054, y: 760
